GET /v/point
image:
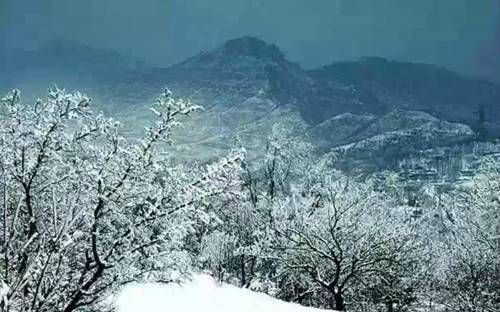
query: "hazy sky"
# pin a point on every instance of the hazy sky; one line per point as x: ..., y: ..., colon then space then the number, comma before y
x: 460, y: 34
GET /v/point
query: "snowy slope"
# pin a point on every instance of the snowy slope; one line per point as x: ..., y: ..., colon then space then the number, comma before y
x: 202, y: 294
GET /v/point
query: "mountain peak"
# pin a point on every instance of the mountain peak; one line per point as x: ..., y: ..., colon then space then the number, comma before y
x: 251, y: 46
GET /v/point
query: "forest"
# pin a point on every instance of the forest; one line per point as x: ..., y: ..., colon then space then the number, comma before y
x: 86, y: 210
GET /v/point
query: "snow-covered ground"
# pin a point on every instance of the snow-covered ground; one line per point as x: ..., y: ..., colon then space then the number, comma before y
x: 203, y: 294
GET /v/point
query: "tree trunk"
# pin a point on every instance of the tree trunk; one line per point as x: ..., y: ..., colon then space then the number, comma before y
x: 339, y: 301
x: 390, y: 306
x: 242, y: 268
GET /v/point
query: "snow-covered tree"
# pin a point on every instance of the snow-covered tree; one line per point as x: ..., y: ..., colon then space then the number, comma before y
x: 471, y: 280
x: 85, y: 210
x: 285, y: 159
x: 218, y: 252
x: 343, y: 237
x: 227, y: 247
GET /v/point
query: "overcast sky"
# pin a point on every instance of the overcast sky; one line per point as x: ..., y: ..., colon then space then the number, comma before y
x: 459, y: 34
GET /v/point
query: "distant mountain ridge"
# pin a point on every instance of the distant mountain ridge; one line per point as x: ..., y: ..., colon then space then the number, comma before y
x: 399, y: 85
x: 362, y: 109
x: 370, y: 85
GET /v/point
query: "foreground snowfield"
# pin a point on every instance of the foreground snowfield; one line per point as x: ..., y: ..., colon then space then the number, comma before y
x: 202, y: 294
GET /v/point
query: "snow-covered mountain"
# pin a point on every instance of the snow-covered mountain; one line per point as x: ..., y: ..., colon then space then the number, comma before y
x: 396, y: 133
x: 389, y: 85
x: 364, y: 109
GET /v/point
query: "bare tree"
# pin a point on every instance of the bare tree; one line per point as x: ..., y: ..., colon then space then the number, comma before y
x: 343, y: 237
x: 86, y: 210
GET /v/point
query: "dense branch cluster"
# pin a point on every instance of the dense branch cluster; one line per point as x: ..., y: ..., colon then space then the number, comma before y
x: 84, y: 209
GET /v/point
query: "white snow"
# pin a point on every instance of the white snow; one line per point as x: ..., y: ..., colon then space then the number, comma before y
x: 203, y: 294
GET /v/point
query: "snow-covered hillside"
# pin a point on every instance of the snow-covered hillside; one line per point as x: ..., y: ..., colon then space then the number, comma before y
x: 202, y: 294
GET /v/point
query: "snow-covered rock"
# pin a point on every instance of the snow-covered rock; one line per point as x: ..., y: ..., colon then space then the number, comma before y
x: 203, y: 294
x: 394, y: 144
